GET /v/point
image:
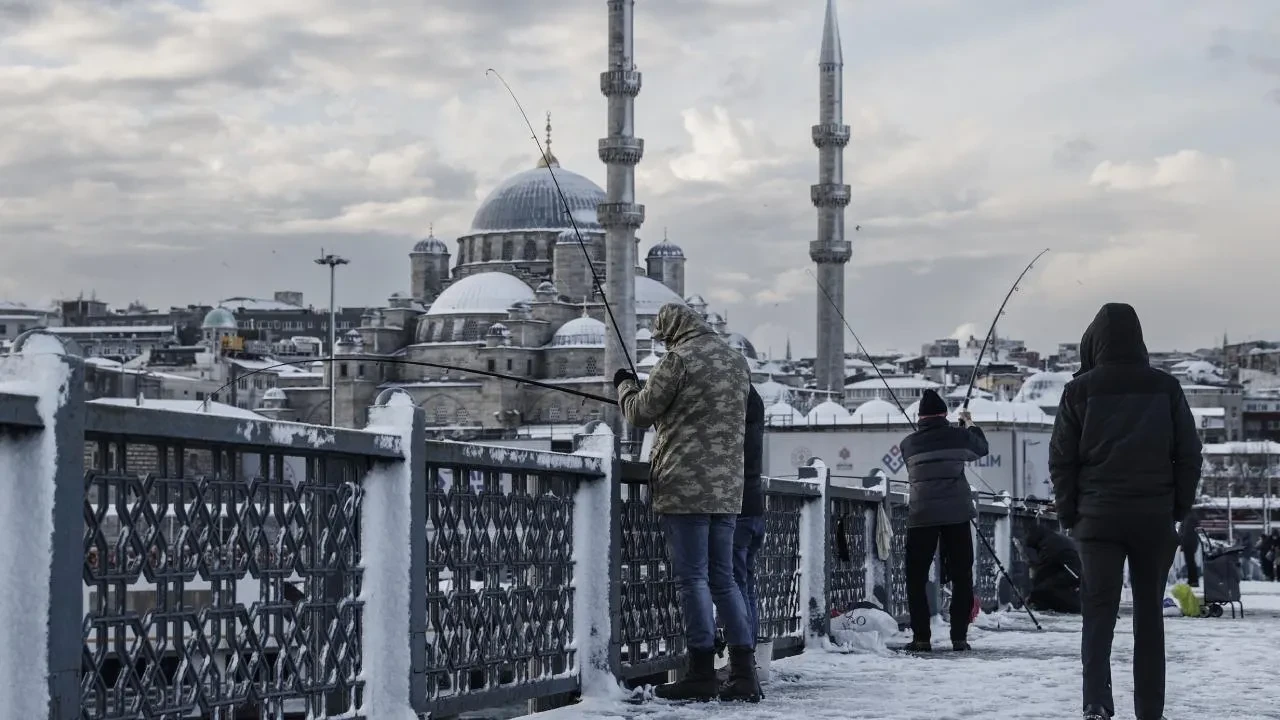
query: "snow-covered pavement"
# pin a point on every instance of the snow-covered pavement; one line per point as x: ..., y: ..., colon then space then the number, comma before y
x: 1218, y: 668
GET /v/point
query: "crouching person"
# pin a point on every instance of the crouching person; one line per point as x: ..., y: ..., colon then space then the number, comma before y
x: 696, y: 400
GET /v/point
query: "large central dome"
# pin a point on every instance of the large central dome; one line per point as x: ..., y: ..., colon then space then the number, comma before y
x: 529, y: 201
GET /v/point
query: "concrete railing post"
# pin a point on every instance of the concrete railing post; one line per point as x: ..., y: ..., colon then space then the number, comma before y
x: 815, y: 553
x: 596, y: 548
x: 42, y: 519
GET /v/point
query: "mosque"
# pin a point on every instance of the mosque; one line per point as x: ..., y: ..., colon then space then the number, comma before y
x: 519, y: 299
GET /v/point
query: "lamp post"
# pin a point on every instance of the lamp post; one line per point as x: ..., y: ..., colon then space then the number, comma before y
x: 333, y: 261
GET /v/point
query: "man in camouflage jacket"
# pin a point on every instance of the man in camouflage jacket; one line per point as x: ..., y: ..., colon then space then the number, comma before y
x: 696, y: 401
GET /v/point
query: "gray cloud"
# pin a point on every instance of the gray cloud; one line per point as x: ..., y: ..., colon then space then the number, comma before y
x: 1074, y: 152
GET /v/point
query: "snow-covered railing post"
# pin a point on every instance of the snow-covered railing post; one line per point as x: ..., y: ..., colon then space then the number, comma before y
x: 814, y: 553
x: 41, y: 517
x: 394, y: 550
x: 596, y: 545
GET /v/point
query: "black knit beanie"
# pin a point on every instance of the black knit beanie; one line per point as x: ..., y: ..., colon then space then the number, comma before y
x: 931, y: 403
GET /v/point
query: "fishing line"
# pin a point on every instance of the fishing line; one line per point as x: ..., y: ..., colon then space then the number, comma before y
x: 421, y: 363
x: 595, y: 277
x: 991, y: 331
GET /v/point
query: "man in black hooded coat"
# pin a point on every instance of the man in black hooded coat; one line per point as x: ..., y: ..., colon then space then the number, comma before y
x: 1055, y: 571
x: 1125, y: 465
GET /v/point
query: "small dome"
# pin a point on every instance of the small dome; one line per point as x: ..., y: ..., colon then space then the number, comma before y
x: 546, y: 287
x: 878, y: 411
x: 220, y: 318
x: 498, y: 330
x: 695, y: 301
x: 740, y: 343
x: 651, y: 295
x: 431, y: 245
x: 828, y: 411
x: 772, y: 392
x: 488, y: 293
x: 568, y: 237
x: 580, y: 332
x: 665, y: 249
x: 715, y: 319
x: 782, y: 414
x: 274, y: 394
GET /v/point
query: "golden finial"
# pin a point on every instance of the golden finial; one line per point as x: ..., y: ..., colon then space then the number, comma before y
x: 664, y: 233
x: 431, y: 230
x: 547, y: 158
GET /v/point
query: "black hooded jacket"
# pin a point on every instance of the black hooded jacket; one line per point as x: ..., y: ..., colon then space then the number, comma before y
x: 1124, y: 441
x: 1048, y: 552
x: 753, y: 457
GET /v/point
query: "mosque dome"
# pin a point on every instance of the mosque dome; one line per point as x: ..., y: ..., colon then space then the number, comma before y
x: 739, y: 342
x: 828, y: 411
x: 529, y: 201
x: 431, y: 245
x: 546, y: 287
x: 651, y: 295
x: 220, y: 318
x: 665, y: 249
x: 498, y: 330
x: 580, y: 332
x: 488, y: 293
x: 879, y: 411
x: 274, y: 394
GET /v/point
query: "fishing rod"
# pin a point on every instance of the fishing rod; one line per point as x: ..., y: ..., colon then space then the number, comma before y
x: 977, y: 530
x: 422, y: 363
x: 595, y: 276
x: 991, y: 331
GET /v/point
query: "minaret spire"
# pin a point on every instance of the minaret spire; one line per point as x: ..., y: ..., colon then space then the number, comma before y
x: 830, y: 251
x: 619, y: 214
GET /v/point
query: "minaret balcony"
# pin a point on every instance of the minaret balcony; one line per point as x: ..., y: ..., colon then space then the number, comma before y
x: 620, y: 215
x: 620, y: 83
x: 830, y: 135
x: 620, y: 150
x: 827, y: 195
x: 823, y: 252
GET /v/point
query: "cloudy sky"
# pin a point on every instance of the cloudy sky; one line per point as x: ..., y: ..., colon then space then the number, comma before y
x: 185, y: 151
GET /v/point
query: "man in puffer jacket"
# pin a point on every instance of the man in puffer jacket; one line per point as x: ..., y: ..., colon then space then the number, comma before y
x: 1125, y: 464
x: 939, y: 512
x: 696, y: 399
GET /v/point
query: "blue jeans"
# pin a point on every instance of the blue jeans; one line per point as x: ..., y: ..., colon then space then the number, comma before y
x: 700, y: 548
x: 748, y: 538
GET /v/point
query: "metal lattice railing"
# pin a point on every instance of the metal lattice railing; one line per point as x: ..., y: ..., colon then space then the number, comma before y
x: 847, y: 563
x: 650, y: 629
x: 499, y: 568
x: 218, y: 582
x: 898, y: 561
x: 778, y: 571
x: 985, y: 573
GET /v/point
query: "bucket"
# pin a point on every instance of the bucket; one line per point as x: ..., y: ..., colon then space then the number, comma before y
x: 764, y: 655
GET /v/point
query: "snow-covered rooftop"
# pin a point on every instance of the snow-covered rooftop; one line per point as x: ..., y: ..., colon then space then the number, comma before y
x: 184, y: 406
x: 248, y: 304
x: 112, y: 330
x: 897, y: 383
x: 1250, y: 447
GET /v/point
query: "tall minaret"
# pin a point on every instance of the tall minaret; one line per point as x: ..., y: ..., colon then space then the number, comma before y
x: 830, y: 196
x: 620, y: 150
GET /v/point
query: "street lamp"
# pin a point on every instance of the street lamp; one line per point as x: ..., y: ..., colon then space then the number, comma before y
x: 333, y: 261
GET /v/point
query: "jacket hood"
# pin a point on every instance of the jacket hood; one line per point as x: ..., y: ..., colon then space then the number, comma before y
x: 678, y: 324
x: 1113, y: 338
x: 1035, y: 537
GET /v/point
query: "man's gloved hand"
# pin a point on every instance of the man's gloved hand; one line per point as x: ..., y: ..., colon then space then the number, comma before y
x: 622, y: 375
x: 966, y: 418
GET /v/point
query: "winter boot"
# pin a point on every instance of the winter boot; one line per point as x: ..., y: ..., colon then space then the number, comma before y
x: 1096, y: 713
x: 961, y: 645
x: 743, y: 685
x: 919, y: 646
x: 699, y: 682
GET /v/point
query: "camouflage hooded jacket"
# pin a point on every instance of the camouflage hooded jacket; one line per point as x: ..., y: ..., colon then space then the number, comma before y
x: 696, y: 400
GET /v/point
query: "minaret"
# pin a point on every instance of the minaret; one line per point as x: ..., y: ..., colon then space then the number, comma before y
x: 830, y: 196
x: 619, y: 214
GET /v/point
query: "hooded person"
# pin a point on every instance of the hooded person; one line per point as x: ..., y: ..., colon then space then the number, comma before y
x: 939, y: 512
x: 1125, y: 464
x: 696, y: 401
x: 1055, y: 571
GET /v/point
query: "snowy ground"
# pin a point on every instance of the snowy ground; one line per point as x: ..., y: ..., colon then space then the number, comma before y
x: 1221, y: 668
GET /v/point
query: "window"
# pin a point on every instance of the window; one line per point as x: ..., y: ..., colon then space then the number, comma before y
x: 510, y: 363
x: 562, y: 367
x: 508, y: 250
x: 4, y: 329
x: 342, y: 370
x: 442, y: 416
x: 243, y: 384
x: 554, y: 413
x: 492, y: 364
x: 592, y: 368
x: 360, y: 370
x: 200, y: 396
x: 484, y: 251
x: 530, y: 250
x: 462, y: 416
x: 528, y: 366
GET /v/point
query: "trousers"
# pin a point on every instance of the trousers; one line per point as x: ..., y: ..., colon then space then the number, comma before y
x: 700, y: 549
x: 956, y: 542
x: 1148, y: 543
x: 748, y: 538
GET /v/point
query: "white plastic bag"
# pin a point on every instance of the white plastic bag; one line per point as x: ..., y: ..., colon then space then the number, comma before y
x: 865, y: 629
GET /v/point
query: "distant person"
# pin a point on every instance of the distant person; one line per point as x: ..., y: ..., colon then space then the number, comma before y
x: 1189, y: 541
x: 696, y: 399
x: 1268, y: 548
x: 1125, y: 464
x: 1055, y: 571
x: 940, y: 509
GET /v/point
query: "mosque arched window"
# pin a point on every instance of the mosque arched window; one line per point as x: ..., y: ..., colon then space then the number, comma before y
x: 530, y: 250
x: 562, y: 367
x: 442, y: 415
x: 573, y: 413
x: 508, y: 250
x: 444, y: 332
x: 554, y: 413
x: 462, y: 417
x: 592, y: 367
x: 470, y: 330
x: 485, y: 251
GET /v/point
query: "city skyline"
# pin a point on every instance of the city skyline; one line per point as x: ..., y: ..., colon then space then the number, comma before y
x: 208, y: 151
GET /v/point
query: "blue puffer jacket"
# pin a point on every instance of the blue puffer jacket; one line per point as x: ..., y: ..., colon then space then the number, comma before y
x: 935, y: 455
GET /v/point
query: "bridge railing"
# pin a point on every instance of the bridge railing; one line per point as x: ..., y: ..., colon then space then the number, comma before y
x: 201, y: 565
